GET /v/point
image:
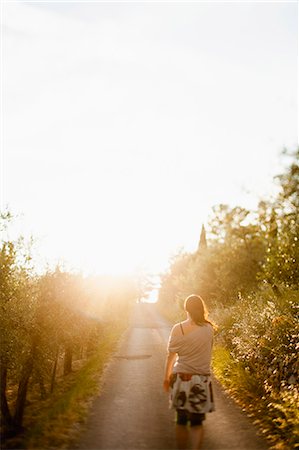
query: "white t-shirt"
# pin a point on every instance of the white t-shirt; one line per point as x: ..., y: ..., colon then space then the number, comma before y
x: 194, y: 350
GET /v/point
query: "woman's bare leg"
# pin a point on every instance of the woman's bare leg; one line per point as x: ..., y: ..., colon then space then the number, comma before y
x: 182, y: 436
x: 196, y: 436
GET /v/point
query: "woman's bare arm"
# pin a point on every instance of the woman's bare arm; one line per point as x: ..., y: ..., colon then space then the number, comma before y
x: 170, y: 360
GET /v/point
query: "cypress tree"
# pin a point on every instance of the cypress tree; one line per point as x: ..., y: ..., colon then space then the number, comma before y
x: 203, y: 240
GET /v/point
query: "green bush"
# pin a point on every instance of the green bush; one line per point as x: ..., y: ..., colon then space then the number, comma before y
x: 260, y: 331
x: 255, y: 357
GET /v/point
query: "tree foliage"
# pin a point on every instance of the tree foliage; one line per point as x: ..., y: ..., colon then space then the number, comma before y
x: 249, y: 274
x: 48, y: 323
x: 281, y: 224
x: 244, y: 249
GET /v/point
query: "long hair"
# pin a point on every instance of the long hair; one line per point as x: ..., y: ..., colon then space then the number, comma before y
x: 196, y: 307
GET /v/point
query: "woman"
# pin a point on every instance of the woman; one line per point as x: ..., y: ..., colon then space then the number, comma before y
x: 188, y: 372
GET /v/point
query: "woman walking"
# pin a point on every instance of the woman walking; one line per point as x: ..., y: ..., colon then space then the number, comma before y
x: 188, y: 372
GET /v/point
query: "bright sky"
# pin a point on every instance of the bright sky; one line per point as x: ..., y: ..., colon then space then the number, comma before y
x: 124, y: 123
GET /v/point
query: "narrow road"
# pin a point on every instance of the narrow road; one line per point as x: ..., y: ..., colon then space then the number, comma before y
x: 132, y: 410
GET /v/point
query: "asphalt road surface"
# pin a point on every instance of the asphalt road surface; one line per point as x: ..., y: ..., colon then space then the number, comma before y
x: 132, y: 411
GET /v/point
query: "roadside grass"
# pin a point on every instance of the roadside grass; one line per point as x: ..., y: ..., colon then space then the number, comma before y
x: 276, y: 414
x: 234, y: 376
x: 56, y: 422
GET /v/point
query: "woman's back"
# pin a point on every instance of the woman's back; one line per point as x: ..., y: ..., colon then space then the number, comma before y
x: 193, y: 344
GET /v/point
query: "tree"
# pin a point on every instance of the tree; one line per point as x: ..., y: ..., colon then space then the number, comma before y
x: 238, y: 250
x: 281, y: 224
x: 17, y: 302
x: 202, y: 245
x: 144, y: 283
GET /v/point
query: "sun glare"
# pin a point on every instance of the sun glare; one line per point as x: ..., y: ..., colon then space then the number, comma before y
x: 126, y: 170
x: 103, y: 252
